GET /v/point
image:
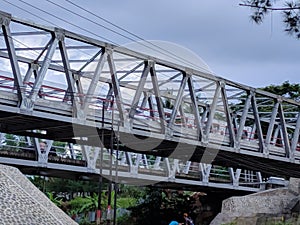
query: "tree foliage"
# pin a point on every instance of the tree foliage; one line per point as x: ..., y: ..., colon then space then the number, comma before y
x: 56, y: 200
x: 290, y: 11
x: 287, y: 90
x: 158, y: 206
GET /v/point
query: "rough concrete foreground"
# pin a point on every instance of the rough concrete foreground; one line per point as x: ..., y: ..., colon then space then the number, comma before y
x: 22, y: 203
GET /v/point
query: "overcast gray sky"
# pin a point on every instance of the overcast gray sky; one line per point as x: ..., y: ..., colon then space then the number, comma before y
x: 220, y: 32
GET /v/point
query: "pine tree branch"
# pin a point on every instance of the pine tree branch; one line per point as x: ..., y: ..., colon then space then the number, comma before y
x: 269, y: 8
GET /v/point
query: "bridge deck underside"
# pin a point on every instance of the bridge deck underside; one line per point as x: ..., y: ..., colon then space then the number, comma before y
x: 21, y: 124
x: 184, y: 181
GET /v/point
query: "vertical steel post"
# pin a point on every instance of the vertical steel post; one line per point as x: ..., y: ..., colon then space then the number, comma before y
x: 108, y: 214
x: 116, y: 177
x: 98, y: 220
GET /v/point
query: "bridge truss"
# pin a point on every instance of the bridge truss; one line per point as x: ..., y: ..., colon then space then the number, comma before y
x: 73, y: 161
x: 62, y: 86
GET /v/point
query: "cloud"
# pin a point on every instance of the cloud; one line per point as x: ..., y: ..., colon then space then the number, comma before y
x: 220, y: 32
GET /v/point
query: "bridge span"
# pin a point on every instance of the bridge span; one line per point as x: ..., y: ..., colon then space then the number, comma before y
x: 71, y: 161
x: 62, y: 86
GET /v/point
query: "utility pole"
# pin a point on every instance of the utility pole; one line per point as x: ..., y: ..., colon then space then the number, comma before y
x: 99, y: 214
x: 109, y: 213
x: 116, y: 176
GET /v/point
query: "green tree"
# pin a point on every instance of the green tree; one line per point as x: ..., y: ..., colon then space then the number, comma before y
x: 83, y: 188
x: 91, y: 203
x: 148, y: 211
x: 290, y: 9
x: 287, y: 90
x: 39, y: 182
x: 58, y: 190
x: 158, y: 206
x: 132, y: 191
x: 57, y: 201
x: 13, y: 142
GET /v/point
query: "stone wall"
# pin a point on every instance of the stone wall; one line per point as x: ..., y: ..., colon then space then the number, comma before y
x: 23, y: 203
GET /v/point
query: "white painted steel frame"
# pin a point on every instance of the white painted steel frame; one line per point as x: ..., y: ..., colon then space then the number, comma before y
x: 274, y: 127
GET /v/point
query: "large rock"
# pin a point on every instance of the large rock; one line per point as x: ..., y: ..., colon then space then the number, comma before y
x: 294, y: 185
x: 263, y: 206
x: 270, y: 201
x: 23, y: 203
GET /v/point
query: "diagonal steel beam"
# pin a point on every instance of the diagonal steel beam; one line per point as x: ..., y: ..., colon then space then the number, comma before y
x: 71, y: 90
x: 258, y: 124
x: 285, y: 137
x: 93, y: 83
x: 115, y: 84
x: 178, y: 101
x: 157, y: 97
x: 271, y: 126
x: 243, y: 120
x: 212, y: 111
x: 5, y: 20
x: 228, y: 115
x: 195, y: 108
x: 296, y: 133
x: 139, y: 90
x: 41, y: 74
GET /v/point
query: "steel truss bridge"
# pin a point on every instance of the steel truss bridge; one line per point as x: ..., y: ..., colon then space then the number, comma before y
x: 82, y: 162
x: 61, y: 86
